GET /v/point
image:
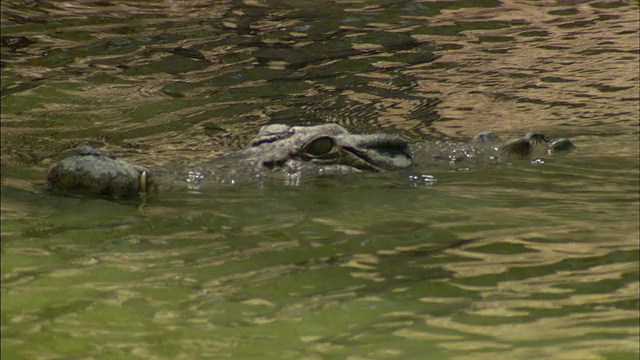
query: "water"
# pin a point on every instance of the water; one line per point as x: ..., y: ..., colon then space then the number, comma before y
x: 517, y: 261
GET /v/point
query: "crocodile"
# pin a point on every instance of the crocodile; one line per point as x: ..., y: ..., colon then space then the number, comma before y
x: 280, y: 151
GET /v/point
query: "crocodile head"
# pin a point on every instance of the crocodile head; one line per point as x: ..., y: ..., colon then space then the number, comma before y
x: 327, y: 148
x: 321, y: 149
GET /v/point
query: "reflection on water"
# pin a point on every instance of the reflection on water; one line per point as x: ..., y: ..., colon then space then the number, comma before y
x: 515, y: 261
x: 520, y: 261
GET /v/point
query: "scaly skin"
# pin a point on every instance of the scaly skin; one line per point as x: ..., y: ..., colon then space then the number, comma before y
x: 279, y: 151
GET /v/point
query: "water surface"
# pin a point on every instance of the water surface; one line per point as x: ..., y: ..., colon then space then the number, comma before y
x: 509, y: 260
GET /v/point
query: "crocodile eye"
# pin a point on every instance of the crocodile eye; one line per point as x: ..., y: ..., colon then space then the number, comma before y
x: 319, y: 147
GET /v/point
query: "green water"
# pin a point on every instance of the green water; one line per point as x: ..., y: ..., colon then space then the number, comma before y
x: 499, y: 261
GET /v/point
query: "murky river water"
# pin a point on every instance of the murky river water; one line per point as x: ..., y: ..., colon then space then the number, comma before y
x: 503, y: 261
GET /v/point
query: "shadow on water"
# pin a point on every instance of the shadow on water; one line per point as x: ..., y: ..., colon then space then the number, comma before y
x: 507, y: 260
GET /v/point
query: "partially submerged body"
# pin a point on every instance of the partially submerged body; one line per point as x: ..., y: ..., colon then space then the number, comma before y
x: 486, y: 146
x: 282, y: 151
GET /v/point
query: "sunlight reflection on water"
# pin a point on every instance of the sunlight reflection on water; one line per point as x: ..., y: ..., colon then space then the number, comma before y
x: 513, y: 260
